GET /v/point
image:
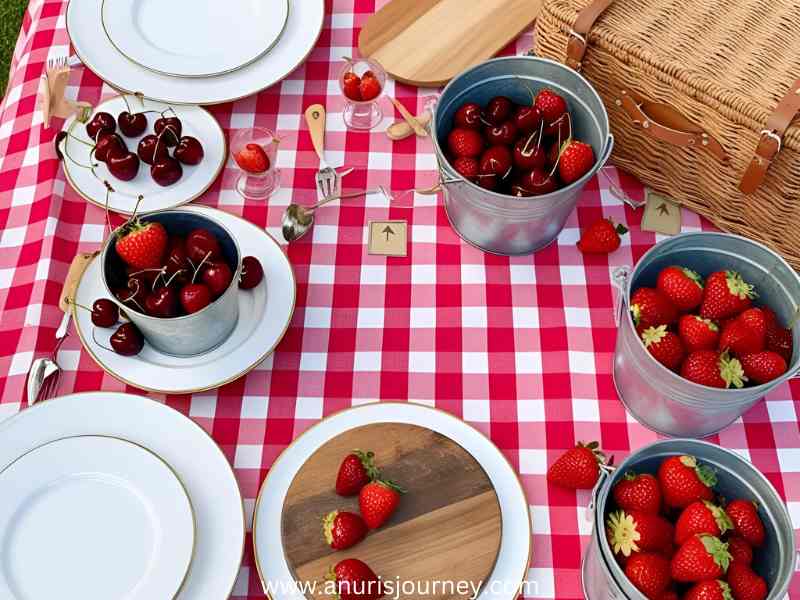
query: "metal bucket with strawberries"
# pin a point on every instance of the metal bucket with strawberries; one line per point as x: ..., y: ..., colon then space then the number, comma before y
x: 517, y: 139
x: 673, y: 396
x: 625, y: 556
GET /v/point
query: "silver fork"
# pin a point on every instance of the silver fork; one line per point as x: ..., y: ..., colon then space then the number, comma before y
x: 329, y: 182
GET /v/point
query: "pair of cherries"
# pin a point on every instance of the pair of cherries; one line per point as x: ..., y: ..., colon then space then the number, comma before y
x: 127, y: 340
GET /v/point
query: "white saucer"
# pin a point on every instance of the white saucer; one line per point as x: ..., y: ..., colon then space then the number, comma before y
x: 514, y: 556
x: 180, y: 442
x: 94, y: 518
x: 194, y: 38
x: 264, y: 315
x: 196, y: 121
x: 96, y: 51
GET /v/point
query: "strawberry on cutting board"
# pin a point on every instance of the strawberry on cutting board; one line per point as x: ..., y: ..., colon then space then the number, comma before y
x: 713, y: 369
x: 355, y: 580
x: 683, y: 481
x: 640, y: 492
x: 745, y: 583
x: 141, y: 245
x: 578, y: 468
x: 682, y: 286
x: 665, y: 346
x: 343, y: 529
x: 711, y: 589
x: 601, y: 237
x: 701, y: 516
x: 746, y: 522
x: 698, y: 333
x: 726, y: 294
x: 356, y: 471
x: 701, y: 557
x: 635, y: 531
x: 378, y: 500
x: 649, y: 572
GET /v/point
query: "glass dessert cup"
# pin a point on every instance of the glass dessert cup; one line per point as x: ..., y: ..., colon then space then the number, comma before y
x: 255, y: 153
x: 362, y: 114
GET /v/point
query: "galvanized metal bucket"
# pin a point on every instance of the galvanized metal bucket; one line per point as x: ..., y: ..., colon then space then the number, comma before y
x: 503, y: 224
x: 603, y: 579
x: 663, y: 400
x: 199, y: 332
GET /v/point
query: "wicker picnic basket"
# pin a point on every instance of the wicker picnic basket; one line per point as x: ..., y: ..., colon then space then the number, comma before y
x: 702, y: 98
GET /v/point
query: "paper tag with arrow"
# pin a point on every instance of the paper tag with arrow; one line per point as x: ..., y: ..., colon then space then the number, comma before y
x: 661, y: 214
x: 388, y: 238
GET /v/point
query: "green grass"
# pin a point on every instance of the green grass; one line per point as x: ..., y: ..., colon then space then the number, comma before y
x: 11, y: 12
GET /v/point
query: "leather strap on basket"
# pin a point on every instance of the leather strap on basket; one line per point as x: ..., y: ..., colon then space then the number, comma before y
x: 771, y: 140
x: 576, y: 46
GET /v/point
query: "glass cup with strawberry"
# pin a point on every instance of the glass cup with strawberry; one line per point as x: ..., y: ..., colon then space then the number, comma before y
x: 362, y: 82
x: 255, y: 151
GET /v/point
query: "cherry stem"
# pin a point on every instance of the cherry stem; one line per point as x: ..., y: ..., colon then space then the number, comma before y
x: 197, y: 270
x: 71, y: 301
x: 169, y: 109
x: 175, y: 274
x: 96, y: 341
x: 127, y: 104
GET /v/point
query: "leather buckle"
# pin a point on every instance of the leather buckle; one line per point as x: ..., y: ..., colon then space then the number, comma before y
x: 578, y: 36
x: 766, y: 134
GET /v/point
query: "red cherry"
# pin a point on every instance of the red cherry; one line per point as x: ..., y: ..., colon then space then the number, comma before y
x: 468, y: 116
x: 176, y: 256
x: 503, y: 134
x: 132, y: 125
x: 252, y: 273
x: 104, y: 313
x: 528, y: 118
x: 560, y: 129
x: 189, y: 151
x: 101, y: 122
x: 538, y: 182
x: 166, y: 171
x: 527, y: 155
x: 138, y: 286
x: 127, y: 340
x: 217, y: 276
x: 173, y: 128
x: 162, y: 303
x: 124, y: 165
x: 150, y: 149
x: 109, y: 144
x: 496, y: 160
x: 498, y: 110
x: 195, y: 297
x: 201, y: 242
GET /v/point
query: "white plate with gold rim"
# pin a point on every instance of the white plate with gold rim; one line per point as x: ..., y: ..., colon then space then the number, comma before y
x: 514, y: 556
x: 264, y: 316
x: 96, y: 51
x: 90, y: 183
x: 178, y: 441
x: 93, y: 517
x: 194, y: 38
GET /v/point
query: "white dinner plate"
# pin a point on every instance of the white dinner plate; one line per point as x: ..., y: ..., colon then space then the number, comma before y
x: 196, y: 122
x: 178, y: 441
x: 264, y: 315
x: 96, y: 51
x: 514, y: 556
x: 194, y: 38
x: 93, y: 517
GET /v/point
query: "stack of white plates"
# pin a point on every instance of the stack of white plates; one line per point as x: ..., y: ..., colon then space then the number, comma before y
x: 194, y: 51
x: 115, y: 496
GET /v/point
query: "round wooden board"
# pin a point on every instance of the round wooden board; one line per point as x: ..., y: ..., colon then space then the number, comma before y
x: 447, y: 528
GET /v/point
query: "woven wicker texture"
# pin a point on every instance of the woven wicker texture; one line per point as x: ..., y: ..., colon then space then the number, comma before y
x: 724, y: 65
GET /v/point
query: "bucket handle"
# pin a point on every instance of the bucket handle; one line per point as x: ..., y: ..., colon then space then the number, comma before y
x: 619, y: 279
x: 606, y: 470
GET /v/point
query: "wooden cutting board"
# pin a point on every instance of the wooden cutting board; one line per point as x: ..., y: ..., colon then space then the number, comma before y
x: 428, y: 42
x: 446, y: 528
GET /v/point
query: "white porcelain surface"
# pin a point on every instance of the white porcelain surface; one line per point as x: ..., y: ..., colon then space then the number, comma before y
x: 98, y: 53
x: 264, y: 315
x: 194, y: 38
x: 196, y: 121
x: 93, y: 518
x: 181, y: 443
x: 512, y: 560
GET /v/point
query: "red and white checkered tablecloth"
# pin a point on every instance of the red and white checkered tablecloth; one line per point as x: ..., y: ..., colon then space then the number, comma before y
x: 520, y: 347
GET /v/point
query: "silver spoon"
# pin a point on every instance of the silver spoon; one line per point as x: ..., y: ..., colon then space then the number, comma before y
x: 297, y: 220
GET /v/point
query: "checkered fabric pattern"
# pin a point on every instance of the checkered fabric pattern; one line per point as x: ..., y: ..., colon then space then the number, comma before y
x: 520, y: 347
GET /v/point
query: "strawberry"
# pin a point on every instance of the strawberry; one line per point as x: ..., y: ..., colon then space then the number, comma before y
x: 745, y: 583
x: 701, y: 557
x: 726, y: 294
x: 634, y: 531
x: 713, y: 369
x: 651, y: 308
x: 649, y: 573
x: 576, y: 160
x: 378, y: 500
x: 466, y: 167
x: 740, y: 339
x: 698, y: 333
x: 701, y: 517
x: 552, y: 105
x: 351, y: 85
x: 343, y: 529
x: 763, y: 367
x: 355, y: 580
x: 684, y: 481
x: 669, y: 595
x: 141, y: 245
x: 602, y: 237
x: 252, y: 159
x: 740, y: 550
x: 578, y: 468
x: 756, y: 320
x: 780, y: 341
x: 664, y: 346
x: 465, y: 142
x: 370, y: 87
x: 746, y: 522
x: 711, y: 589
x: 638, y: 492
x: 682, y: 286
x: 356, y: 471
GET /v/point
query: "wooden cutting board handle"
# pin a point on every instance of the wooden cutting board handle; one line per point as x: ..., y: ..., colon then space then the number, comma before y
x: 315, y: 117
x: 76, y: 269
